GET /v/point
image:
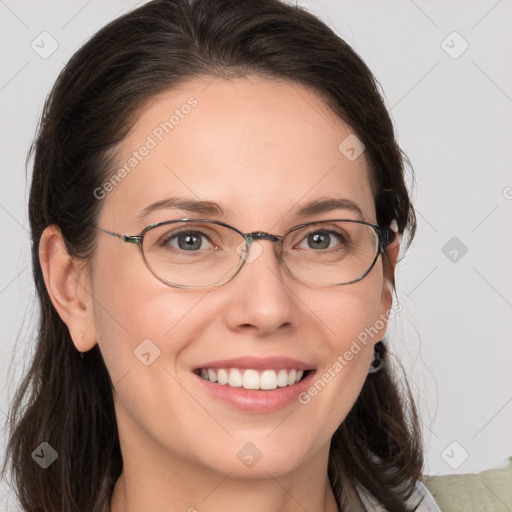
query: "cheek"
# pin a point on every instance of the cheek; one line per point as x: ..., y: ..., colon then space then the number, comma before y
x: 353, y: 313
x: 142, y: 327
x: 135, y: 314
x: 352, y: 321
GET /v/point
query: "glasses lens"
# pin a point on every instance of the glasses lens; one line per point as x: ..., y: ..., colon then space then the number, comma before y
x: 197, y: 254
x: 193, y: 254
x: 329, y: 253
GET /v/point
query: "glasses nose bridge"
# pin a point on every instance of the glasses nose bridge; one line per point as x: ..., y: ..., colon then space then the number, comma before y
x: 262, y: 235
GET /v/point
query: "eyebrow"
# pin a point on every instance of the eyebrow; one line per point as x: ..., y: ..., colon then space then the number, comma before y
x: 188, y: 205
x: 326, y: 205
x: 214, y: 209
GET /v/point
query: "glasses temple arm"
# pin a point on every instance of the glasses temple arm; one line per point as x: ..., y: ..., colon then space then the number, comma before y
x: 137, y: 240
x: 387, y: 236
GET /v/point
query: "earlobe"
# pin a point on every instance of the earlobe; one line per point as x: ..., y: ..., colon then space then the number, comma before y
x: 67, y: 285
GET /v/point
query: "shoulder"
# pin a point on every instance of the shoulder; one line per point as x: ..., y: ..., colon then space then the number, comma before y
x: 422, y: 496
x: 490, y: 489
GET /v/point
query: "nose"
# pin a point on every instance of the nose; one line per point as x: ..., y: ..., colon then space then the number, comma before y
x: 259, y: 297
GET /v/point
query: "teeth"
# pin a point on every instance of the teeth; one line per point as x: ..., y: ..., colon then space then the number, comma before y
x: 222, y: 376
x: 282, y: 378
x: 268, y: 380
x: 253, y: 379
x: 235, y: 378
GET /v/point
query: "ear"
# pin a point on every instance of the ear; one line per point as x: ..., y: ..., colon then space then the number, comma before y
x: 392, y: 251
x: 68, y: 286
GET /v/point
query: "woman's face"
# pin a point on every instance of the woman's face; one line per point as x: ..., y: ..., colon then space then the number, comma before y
x: 260, y: 150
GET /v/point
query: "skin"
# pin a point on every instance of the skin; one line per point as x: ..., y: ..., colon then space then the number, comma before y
x: 259, y: 148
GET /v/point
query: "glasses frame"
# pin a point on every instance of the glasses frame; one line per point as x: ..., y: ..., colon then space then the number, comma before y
x: 385, y: 236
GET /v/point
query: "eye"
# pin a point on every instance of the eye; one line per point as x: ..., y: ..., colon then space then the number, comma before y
x: 191, y: 241
x: 323, y: 239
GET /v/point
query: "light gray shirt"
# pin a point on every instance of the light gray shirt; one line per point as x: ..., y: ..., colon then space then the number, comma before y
x: 420, y: 495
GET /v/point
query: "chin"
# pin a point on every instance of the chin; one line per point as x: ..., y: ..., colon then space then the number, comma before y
x: 255, y: 459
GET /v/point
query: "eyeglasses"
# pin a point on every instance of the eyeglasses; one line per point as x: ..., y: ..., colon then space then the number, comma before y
x: 202, y: 253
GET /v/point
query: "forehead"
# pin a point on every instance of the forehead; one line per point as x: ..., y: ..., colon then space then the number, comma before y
x: 257, y: 147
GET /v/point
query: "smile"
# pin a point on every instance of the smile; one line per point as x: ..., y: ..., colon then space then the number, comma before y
x: 252, y: 379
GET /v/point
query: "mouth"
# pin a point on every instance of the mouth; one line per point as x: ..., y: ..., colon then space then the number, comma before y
x: 253, y: 379
x: 255, y: 385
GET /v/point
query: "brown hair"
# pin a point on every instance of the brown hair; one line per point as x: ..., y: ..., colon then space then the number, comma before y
x: 67, y: 401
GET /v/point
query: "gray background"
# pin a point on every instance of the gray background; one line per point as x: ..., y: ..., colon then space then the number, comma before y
x: 453, y: 118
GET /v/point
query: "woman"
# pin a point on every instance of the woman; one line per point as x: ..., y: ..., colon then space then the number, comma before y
x: 235, y: 359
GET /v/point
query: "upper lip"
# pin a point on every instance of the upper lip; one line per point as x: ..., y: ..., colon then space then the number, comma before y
x: 258, y: 363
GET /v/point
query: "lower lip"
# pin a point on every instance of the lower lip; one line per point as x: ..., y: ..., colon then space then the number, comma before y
x: 256, y: 400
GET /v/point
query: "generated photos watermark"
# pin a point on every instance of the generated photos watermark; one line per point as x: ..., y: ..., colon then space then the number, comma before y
x: 344, y: 359
x: 152, y: 140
